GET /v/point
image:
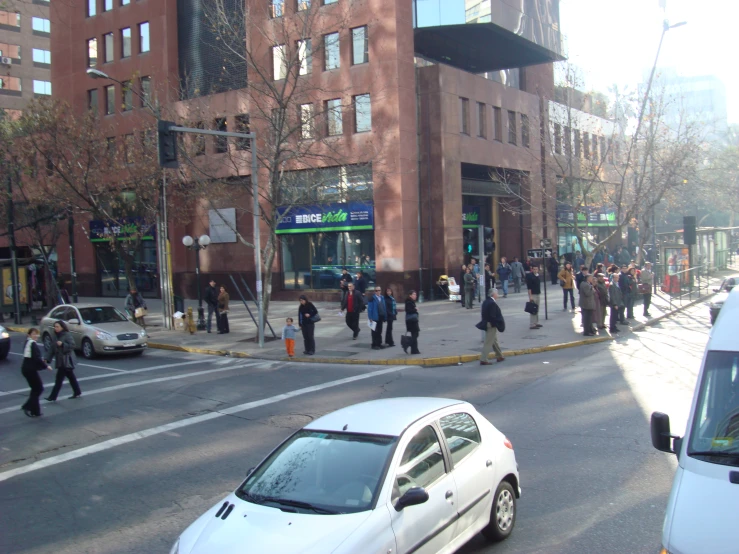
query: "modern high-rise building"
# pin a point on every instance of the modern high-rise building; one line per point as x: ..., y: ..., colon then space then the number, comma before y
x: 25, y: 53
x: 438, y: 109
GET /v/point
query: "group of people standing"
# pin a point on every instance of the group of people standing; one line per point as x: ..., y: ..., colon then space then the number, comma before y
x: 216, y: 299
x: 470, y: 275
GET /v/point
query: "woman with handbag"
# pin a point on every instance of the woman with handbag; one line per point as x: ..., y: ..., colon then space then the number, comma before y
x: 307, y: 318
x: 223, y: 299
x: 136, y: 307
x: 411, y: 322
x: 391, y: 309
x: 62, y: 350
x: 33, y: 362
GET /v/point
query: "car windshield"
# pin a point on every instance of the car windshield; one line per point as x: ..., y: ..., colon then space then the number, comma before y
x: 321, y: 472
x: 101, y: 314
x: 714, y: 436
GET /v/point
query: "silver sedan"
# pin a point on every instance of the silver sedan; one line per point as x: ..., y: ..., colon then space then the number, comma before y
x: 96, y: 329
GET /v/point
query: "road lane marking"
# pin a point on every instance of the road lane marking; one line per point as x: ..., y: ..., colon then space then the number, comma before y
x: 85, y: 365
x: 138, y: 435
x: 129, y: 372
x: 141, y: 383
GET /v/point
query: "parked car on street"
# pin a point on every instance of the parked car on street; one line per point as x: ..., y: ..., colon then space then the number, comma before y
x: 4, y: 342
x: 723, y: 291
x: 96, y: 329
x: 403, y: 475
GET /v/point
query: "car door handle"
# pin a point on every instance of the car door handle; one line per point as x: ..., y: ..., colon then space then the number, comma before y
x: 448, y: 494
x: 488, y: 463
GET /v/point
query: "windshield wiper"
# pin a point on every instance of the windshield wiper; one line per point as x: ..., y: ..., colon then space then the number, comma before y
x: 717, y: 454
x: 296, y: 504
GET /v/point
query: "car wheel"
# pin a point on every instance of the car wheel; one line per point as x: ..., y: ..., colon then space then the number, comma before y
x: 47, y: 342
x: 4, y: 353
x: 137, y: 353
x: 88, y: 350
x: 502, y: 514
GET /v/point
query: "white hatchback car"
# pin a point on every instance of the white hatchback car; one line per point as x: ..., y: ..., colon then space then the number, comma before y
x: 403, y: 475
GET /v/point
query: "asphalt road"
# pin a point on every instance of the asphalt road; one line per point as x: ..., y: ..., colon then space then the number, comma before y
x: 158, y: 439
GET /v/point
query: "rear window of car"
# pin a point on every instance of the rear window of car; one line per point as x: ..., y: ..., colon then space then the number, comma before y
x: 462, y: 435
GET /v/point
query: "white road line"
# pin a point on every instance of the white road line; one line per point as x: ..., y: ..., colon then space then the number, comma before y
x: 141, y: 383
x: 85, y: 365
x: 138, y: 435
x: 131, y: 372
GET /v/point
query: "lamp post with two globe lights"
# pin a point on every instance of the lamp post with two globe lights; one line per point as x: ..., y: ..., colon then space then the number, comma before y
x: 198, y: 244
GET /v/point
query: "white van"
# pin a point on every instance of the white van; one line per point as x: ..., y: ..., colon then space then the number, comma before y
x: 703, y: 508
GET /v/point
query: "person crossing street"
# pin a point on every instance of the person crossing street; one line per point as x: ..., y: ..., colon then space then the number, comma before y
x: 491, y: 319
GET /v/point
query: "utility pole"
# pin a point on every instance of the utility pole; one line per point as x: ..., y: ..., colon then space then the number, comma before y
x: 13, y: 252
x: 72, y: 265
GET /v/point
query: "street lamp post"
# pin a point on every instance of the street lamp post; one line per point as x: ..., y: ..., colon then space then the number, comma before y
x: 198, y: 244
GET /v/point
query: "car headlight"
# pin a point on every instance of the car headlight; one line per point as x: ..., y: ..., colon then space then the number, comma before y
x: 142, y: 333
x: 175, y: 547
x: 4, y: 334
x: 102, y: 335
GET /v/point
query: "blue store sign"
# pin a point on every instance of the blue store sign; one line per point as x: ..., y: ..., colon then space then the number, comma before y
x: 350, y: 216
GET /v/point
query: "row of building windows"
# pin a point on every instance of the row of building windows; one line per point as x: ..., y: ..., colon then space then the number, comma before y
x: 497, y: 129
x: 127, y: 92
x: 125, y: 45
x: 282, y: 55
x: 582, y: 144
x: 277, y: 7
x: 106, y: 5
x: 13, y: 19
x: 15, y: 84
x: 13, y: 51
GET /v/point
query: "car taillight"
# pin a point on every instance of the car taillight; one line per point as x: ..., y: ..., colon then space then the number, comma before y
x: 507, y: 443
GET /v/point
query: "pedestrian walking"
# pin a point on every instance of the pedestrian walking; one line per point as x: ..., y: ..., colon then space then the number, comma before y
x: 567, y: 282
x: 533, y: 284
x: 136, y: 307
x: 62, y: 351
x: 412, y: 323
x: 624, y: 283
x: 579, y: 260
x: 211, y: 301
x: 360, y: 283
x: 602, y: 295
x: 392, y: 314
x: 288, y: 335
x: 492, y: 321
x: 377, y: 314
x: 469, y: 288
x: 647, y: 281
x: 307, y: 318
x: 616, y: 302
x: 587, y: 305
x: 504, y: 274
x: 352, y: 306
x: 489, y: 278
x: 33, y: 362
x: 223, y: 299
x: 518, y: 274
x: 344, y: 281
x: 553, y: 266
x: 462, y: 273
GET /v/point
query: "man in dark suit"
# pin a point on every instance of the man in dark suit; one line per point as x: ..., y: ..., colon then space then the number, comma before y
x: 352, y: 305
x: 491, y: 315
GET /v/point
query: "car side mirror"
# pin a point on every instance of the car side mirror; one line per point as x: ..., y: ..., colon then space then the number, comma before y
x: 412, y: 497
x: 249, y: 471
x: 660, y: 428
x: 74, y: 321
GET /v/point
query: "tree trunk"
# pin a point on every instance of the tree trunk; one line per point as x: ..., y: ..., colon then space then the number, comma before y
x: 268, y: 261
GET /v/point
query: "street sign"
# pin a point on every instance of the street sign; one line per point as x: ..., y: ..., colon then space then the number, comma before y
x: 546, y: 243
x: 535, y: 253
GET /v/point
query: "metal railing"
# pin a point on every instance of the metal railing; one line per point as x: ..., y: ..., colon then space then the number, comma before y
x: 685, y: 285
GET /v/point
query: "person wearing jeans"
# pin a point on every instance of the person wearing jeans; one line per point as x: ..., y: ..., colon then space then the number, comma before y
x: 504, y: 274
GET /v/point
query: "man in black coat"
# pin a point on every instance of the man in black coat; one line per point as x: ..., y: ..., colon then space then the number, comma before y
x: 491, y: 315
x: 211, y: 299
x: 533, y: 284
x: 360, y: 283
x: 352, y: 305
x: 344, y: 280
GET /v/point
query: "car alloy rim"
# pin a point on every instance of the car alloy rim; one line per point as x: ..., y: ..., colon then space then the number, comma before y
x: 504, y: 510
x: 87, y: 348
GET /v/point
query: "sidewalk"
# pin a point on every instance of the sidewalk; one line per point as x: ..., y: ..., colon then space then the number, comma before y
x: 448, y: 333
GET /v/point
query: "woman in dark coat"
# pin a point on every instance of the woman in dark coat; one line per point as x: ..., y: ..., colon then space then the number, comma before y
x: 391, y: 309
x: 411, y: 321
x: 62, y: 349
x: 306, y: 312
x: 223, y: 300
x: 33, y: 362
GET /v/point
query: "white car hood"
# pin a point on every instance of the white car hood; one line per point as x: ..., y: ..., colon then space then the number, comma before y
x: 256, y: 529
x: 705, y: 515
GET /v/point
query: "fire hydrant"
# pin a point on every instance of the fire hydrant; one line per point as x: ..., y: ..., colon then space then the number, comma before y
x: 190, y: 321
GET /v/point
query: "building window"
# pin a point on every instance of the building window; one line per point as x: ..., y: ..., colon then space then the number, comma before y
x: 331, y: 49
x: 92, y: 8
x: 144, y: 45
x: 10, y: 50
x: 145, y: 91
x: 126, y: 42
x: 610, y: 151
x: 594, y: 146
x: 10, y: 19
x: 525, y: 142
x: 10, y: 83
x: 481, y: 117
x: 40, y: 24
x: 107, y: 5
x: 305, y: 55
x: 303, y: 5
x: 307, y: 127
x: 41, y: 56
x: 110, y: 100
x: 557, y: 138
x: 279, y: 62
x: 498, y: 123
x: 92, y: 100
x: 586, y: 145
x: 578, y: 144
x: 277, y: 8
x: 129, y: 144
x: 42, y: 87
x: 362, y: 113
x: 603, y: 148
x: 360, y: 45
x: 512, y: 127
x: 92, y: 52
x: 333, y: 116
x: 221, y: 143
x: 242, y: 126
x: 464, y: 116
x: 127, y: 96
x: 125, y: 2
x: 108, y: 39
x: 327, y: 2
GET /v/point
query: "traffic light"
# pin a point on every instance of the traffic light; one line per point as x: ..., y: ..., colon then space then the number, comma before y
x: 470, y: 241
x: 167, y: 144
x: 489, y: 236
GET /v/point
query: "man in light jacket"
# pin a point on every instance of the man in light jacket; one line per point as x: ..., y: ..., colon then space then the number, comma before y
x: 518, y: 274
x: 491, y: 314
x: 647, y: 278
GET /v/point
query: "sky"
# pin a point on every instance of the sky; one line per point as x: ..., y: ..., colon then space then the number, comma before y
x: 615, y: 41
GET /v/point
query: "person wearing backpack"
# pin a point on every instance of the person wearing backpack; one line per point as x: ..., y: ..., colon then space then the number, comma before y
x: 492, y: 322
